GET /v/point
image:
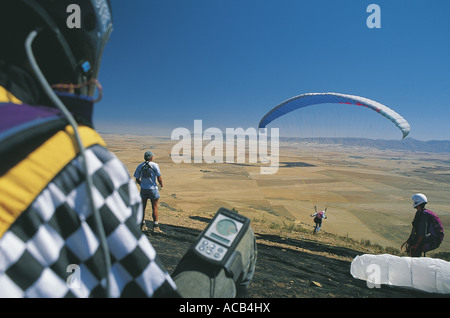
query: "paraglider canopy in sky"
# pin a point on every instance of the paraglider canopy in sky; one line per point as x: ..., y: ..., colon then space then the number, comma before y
x: 309, y: 99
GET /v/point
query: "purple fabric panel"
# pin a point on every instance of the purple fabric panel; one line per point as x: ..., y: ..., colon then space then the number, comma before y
x: 13, y: 115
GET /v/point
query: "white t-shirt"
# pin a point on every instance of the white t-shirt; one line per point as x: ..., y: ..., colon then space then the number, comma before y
x: 147, y: 172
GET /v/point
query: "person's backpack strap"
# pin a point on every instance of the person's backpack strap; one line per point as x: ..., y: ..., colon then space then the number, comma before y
x: 146, y: 164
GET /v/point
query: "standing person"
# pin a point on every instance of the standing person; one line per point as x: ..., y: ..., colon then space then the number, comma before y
x: 146, y: 174
x: 318, y: 217
x: 427, y: 231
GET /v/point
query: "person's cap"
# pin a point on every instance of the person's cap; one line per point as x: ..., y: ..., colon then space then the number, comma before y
x: 148, y: 154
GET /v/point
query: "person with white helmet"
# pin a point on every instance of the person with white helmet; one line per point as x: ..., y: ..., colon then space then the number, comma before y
x: 419, y: 241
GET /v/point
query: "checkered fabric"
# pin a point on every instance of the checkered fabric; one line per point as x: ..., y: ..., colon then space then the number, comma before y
x: 52, y: 249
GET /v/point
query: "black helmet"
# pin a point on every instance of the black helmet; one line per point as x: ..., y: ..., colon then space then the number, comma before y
x: 64, y: 54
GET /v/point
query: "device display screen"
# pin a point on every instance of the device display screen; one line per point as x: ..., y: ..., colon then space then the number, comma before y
x: 224, y: 230
x: 220, y: 238
x: 216, y: 243
x: 226, y: 227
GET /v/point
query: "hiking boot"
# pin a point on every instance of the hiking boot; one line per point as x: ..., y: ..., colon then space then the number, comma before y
x: 144, y: 227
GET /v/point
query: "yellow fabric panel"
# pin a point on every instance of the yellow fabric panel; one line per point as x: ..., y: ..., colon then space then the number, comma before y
x: 24, y: 182
x: 7, y: 97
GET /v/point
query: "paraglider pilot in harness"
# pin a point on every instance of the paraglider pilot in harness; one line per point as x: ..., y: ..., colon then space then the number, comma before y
x: 318, y: 217
x: 427, y: 232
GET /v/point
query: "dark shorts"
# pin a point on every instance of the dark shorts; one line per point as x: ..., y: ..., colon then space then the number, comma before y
x: 151, y: 194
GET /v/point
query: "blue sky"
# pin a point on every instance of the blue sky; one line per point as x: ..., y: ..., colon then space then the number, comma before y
x: 228, y: 62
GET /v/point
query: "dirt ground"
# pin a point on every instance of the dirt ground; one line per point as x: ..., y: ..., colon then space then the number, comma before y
x: 286, y: 267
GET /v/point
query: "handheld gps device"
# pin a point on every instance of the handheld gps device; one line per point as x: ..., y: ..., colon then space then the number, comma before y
x: 218, y: 241
x: 220, y: 260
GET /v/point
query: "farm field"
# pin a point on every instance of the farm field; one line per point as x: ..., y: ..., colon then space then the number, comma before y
x: 367, y: 192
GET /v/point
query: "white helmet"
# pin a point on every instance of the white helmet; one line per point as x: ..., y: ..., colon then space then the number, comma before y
x: 419, y: 199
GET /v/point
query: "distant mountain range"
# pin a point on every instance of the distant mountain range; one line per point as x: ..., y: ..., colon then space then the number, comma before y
x: 408, y: 144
